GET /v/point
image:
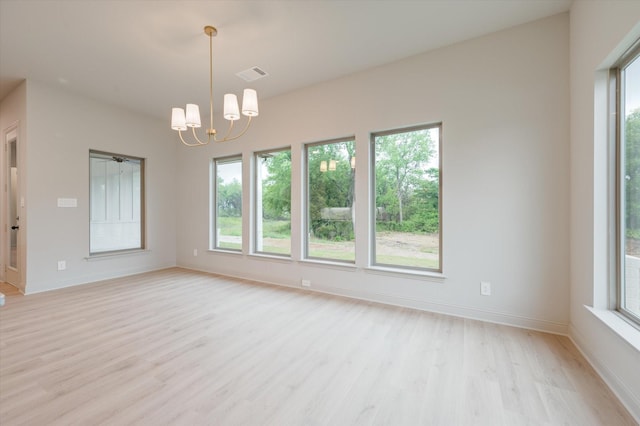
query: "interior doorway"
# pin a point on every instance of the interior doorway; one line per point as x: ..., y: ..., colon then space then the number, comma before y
x: 12, y: 201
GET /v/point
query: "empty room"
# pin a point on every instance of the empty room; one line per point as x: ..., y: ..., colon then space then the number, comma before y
x: 401, y: 212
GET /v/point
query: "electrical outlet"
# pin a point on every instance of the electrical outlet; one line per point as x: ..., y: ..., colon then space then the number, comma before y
x: 485, y: 288
x: 195, y: 252
x: 62, y: 265
x: 306, y: 283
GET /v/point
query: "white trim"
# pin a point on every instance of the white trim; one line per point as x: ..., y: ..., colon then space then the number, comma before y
x: 93, y: 279
x: 630, y: 401
x: 428, y: 306
x: 618, y: 325
x: 344, y: 266
x: 406, y: 273
x: 225, y: 251
x: 453, y: 310
x: 271, y: 257
x: 112, y: 254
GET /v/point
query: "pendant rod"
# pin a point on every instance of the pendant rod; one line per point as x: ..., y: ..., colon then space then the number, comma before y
x: 211, y: 34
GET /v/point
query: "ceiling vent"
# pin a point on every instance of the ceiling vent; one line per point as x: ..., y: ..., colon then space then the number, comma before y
x: 252, y: 74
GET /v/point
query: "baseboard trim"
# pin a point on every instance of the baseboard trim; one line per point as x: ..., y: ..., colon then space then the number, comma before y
x: 617, y: 386
x: 428, y: 306
x: 91, y: 279
x: 448, y: 309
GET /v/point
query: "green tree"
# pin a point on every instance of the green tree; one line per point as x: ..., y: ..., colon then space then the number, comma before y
x: 331, y: 188
x: 632, y: 172
x: 276, y: 189
x: 229, y: 198
x: 401, y: 165
x: 424, y: 208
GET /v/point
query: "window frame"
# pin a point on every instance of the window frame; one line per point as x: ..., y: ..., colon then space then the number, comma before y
x: 373, y: 201
x: 213, y: 220
x: 143, y: 215
x: 307, y: 202
x: 618, y: 122
x: 256, y: 202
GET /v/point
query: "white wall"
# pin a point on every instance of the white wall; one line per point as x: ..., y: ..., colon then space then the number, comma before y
x: 600, y: 32
x: 13, y: 109
x: 504, y: 102
x: 62, y: 129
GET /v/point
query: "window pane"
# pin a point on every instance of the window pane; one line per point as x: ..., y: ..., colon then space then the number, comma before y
x: 407, y: 198
x: 228, y: 219
x: 630, y: 186
x: 273, y: 202
x: 115, y: 202
x: 330, y: 201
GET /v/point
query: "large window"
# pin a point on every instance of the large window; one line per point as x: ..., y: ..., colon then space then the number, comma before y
x: 406, y: 172
x: 330, y: 204
x: 227, y: 217
x: 628, y: 184
x: 117, y: 202
x: 273, y: 202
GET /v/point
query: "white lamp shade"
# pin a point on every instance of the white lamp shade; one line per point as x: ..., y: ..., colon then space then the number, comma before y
x: 193, y: 115
x: 323, y: 166
x: 231, y: 111
x: 332, y: 165
x: 177, y: 119
x: 250, y: 103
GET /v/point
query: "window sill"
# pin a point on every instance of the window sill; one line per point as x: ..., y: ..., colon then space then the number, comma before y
x: 406, y: 273
x: 271, y: 257
x: 336, y: 265
x: 223, y: 251
x: 110, y: 255
x: 619, y: 325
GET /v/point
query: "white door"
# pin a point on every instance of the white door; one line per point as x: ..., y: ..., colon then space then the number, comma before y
x: 12, y: 213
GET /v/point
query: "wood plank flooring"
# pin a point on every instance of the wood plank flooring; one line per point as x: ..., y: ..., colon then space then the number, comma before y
x: 187, y: 348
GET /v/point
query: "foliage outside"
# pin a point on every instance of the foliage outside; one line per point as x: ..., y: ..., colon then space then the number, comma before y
x: 632, y: 210
x: 407, y: 192
x: 632, y: 182
x: 274, y: 202
x: 331, y: 197
x: 228, y: 221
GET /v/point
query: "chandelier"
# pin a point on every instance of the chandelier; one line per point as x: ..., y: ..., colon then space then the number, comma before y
x: 180, y: 120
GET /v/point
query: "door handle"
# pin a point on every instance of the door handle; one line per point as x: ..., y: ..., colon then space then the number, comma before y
x: 15, y: 227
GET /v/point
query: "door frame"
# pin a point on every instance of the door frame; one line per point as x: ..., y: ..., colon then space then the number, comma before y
x: 11, y: 275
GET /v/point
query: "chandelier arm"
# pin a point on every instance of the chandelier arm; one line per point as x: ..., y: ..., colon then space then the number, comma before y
x: 227, y: 138
x: 185, y: 142
x: 226, y: 135
x: 193, y: 129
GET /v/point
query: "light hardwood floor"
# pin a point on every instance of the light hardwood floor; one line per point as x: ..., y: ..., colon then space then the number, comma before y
x: 188, y: 348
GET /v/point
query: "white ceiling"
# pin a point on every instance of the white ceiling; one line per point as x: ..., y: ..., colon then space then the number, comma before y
x: 150, y: 55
